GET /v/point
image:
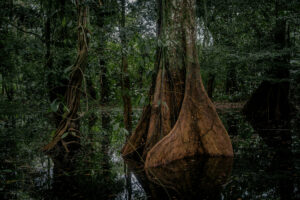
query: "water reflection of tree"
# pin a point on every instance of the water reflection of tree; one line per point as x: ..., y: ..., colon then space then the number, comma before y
x: 266, y: 174
x: 88, y: 174
x: 85, y: 180
x: 194, y: 178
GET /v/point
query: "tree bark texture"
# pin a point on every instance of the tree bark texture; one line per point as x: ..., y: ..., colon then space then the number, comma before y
x: 180, y: 121
x: 70, y: 122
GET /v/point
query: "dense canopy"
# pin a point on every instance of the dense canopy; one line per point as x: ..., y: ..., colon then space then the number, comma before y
x: 163, y: 83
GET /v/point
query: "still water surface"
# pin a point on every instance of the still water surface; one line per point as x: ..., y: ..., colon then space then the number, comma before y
x: 256, y: 172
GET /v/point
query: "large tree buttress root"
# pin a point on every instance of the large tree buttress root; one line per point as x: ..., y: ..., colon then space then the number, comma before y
x: 180, y: 121
x: 198, y: 129
x: 158, y: 118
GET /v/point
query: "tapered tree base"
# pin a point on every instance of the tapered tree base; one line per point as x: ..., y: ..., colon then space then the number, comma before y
x: 180, y: 121
x: 198, y: 130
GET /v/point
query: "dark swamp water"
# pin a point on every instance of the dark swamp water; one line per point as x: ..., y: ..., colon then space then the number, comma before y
x: 258, y: 171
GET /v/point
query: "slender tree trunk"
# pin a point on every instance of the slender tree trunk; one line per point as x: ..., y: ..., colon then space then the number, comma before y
x: 231, y: 79
x: 8, y: 88
x: 56, y: 85
x: 92, y: 96
x: 206, y: 41
x: 181, y: 120
x: 68, y: 134
x: 8, y: 84
x: 105, y: 116
x: 104, y: 97
x: 125, y: 74
x: 210, y: 84
x: 128, y: 181
x: 101, y: 18
x: 142, y: 66
x: 49, y: 64
x: 49, y: 60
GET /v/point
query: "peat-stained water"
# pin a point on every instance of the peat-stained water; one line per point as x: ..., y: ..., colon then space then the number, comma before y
x: 265, y: 175
x: 193, y: 178
x: 252, y: 175
x: 256, y: 172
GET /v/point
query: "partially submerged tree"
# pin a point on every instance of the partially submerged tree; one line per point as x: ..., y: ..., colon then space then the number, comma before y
x: 181, y: 120
x: 191, y: 179
x: 67, y: 134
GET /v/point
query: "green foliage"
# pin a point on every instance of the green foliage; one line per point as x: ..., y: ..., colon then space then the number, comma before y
x: 241, y: 46
x: 236, y: 45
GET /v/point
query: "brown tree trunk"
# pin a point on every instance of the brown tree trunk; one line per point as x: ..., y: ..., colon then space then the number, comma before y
x: 181, y: 120
x: 67, y: 134
x: 125, y: 82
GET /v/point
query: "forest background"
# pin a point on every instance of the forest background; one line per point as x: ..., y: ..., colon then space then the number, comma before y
x: 238, y: 42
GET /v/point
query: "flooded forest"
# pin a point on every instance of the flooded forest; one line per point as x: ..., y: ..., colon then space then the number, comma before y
x: 150, y: 99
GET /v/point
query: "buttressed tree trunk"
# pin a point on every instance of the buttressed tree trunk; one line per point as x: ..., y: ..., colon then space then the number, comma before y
x: 67, y: 133
x: 181, y: 121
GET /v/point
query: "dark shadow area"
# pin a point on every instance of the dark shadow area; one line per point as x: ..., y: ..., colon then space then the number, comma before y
x: 71, y: 181
x: 269, y: 173
x: 283, y: 165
